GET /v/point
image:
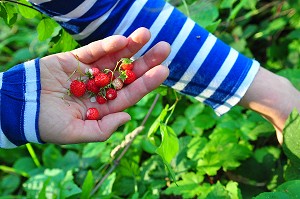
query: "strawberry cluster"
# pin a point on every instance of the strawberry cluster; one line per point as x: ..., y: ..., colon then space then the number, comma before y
x: 102, y: 85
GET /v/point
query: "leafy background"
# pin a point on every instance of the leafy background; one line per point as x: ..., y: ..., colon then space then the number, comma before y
x: 174, y: 146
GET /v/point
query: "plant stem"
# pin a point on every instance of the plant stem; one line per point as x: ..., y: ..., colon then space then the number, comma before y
x: 19, y: 3
x: 131, y: 138
x: 33, y: 155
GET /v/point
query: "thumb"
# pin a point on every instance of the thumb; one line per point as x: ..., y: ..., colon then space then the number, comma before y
x: 96, y: 130
x: 110, y: 123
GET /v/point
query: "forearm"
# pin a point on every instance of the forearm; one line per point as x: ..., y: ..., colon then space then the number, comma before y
x: 272, y: 96
x: 19, y: 105
x: 200, y: 65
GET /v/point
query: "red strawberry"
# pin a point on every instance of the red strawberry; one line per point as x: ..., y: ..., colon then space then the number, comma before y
x: 91, y: 86
x: 77, y: 88
x: 102, y: 80
x: 130, y: 77
x: 95, y: 71
x: 92, y: 114
x: 111, y: 75
x: 126, y: 64
x: 92, y: 72
x: 117, y: 84
x: 100, y: 99
x: 111, y: 94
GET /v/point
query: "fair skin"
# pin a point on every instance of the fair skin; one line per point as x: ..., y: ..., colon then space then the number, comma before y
x: 63, y: 121
x: 272, y: 96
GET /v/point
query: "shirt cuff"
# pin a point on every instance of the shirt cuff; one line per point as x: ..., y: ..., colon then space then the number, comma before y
x: 20, y: 90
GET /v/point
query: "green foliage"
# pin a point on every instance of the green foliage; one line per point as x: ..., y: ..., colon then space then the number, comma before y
x: 185, y: 150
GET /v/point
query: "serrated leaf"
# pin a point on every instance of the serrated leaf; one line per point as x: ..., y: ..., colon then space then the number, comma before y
x: 291, y: 138
x: 218, y: 191
x: 233, y: 190
x: 69, y: 189
x: 195, y: 147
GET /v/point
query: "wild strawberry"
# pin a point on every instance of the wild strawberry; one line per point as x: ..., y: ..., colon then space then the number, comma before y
x: 111, y: 94
x: 92, y: 72
x: 77, y: 88
x: 130, y: 77
x: 126, y: 64
x: 92, y: 114
x: 91, y: 86
x: 100, y: 99
x: 102, y: 80
x: 117, y: 84
x: 111, y: 75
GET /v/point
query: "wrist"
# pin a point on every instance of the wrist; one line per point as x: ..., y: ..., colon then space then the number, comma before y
x: 274, y: 97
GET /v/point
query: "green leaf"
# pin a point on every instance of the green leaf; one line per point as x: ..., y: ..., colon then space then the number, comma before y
x: 51, y: 156
x: 93, y: 149
x: 108, y: 184
x: 291, y: 138
x: 218, y: 191
x: 69, y: 189
x: 9, y: 14
x: 179, y: 124
x: 295, y: 34
x: 62, y: 42
x: 204, y: 12
x: 292, y: 75
x: 292, y: 172
x: 188, y: 187
x: 194, y: 110
x: 46, y: 28
x: 9, y: 184
x: 233, y: 190
x: 196, y: 145
x: 154, y: 127
x: 121, y: 186
x: 227, y: 3
x: 87, y: 185
x: 26, y: 11
x: 287, y: 190
x: 34, y: 185
x: 24, y: 164
x: 169, y: 143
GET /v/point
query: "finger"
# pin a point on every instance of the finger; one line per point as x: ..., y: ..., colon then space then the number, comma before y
x: 135, y: 91
x: 136, y: 41
x: 95, y: 50
x: 155, y: 56
x: 95, y: 131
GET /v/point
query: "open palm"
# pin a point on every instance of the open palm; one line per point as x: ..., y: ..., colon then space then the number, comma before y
x: 62, y: 118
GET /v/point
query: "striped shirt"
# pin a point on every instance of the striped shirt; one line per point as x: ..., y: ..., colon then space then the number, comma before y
x: 200, y: 64
x: 19, y: 105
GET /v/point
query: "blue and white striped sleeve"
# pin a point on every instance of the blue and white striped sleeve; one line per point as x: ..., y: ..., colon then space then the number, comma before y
x: 200, y: 65
x: 19, y: 105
